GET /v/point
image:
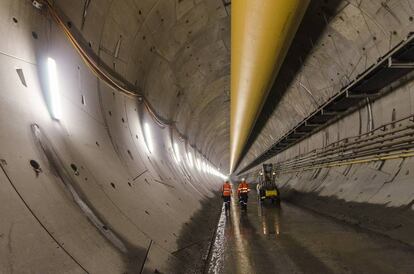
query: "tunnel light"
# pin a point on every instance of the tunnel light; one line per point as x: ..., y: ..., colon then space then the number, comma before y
x: 54, y: 96
x: 190, y: 159
x: 148, y: 138
x: 203, y: 165
x: 221, y: 175
x: 177, y: 153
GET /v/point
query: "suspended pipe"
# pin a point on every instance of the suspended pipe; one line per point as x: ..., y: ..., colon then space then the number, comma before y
x: 261, y: 33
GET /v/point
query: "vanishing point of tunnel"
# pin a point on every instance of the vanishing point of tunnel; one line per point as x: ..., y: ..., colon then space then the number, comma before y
x: 206, y: 136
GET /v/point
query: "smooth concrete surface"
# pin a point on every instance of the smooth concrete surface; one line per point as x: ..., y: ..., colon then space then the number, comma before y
x: 287, y: 239
x: 378, y: 195
x: 176, y: 52
x: 380, y: 199
x: 84, y: 194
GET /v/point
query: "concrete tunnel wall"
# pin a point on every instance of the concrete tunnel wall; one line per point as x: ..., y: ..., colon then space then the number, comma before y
x: 378, y: 195
x: 100, y: 202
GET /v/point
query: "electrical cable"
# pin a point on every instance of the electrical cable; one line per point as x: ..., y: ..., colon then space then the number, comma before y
x: 103, y: 75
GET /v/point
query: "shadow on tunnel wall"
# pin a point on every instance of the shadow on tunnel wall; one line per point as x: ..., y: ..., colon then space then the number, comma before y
x: 195, y: 237
x: 392, y: 222
x: 315, y: 21
x: 133, y: 256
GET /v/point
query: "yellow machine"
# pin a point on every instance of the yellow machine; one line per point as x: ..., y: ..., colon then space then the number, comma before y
x: 266, y: 187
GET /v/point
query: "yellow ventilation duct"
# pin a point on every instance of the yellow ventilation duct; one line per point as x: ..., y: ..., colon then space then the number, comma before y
x: 261, y: 33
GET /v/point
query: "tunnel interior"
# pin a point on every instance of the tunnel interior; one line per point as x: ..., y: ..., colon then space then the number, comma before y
x: 115, y: 135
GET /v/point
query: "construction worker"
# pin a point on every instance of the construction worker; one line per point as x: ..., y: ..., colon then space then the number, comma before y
x: 243, y: 191
x: 243, y: 187
x: 226, y: 194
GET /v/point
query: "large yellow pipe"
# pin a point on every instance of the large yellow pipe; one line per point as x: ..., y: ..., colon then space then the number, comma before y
x: 261, y: 33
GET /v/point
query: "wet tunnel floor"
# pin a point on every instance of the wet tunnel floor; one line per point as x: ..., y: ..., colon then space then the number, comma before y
x: 287, y: 239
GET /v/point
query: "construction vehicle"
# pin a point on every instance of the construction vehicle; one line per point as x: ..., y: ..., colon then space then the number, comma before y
x: 266, y: 186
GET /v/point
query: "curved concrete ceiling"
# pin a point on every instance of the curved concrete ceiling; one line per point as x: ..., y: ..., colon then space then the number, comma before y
x: 175, y: 52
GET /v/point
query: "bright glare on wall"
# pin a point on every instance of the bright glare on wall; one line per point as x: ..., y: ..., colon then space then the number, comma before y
x: 53, y: 94
x: 202, y: 165
x: 177, y: 152
x: 190, y: 159
x: 148, y: 138
x: 198, y: 164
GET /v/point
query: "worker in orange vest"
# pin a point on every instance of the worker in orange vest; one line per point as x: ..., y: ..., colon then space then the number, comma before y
x: 226, y: 190
x: 243, y: 191
x: 226, y: 193
x: 243, y: 187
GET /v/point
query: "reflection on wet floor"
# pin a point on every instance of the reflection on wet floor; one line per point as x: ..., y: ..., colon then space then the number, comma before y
x: 237, y: 231
x: 283, y: 238
x: 270, y: 219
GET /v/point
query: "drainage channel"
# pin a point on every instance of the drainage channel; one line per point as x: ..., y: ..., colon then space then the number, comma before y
x: 215, y: 257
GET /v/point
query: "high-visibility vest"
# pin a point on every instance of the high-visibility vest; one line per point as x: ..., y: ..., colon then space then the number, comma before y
x: 226, y: 190
x: 243, y: 188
